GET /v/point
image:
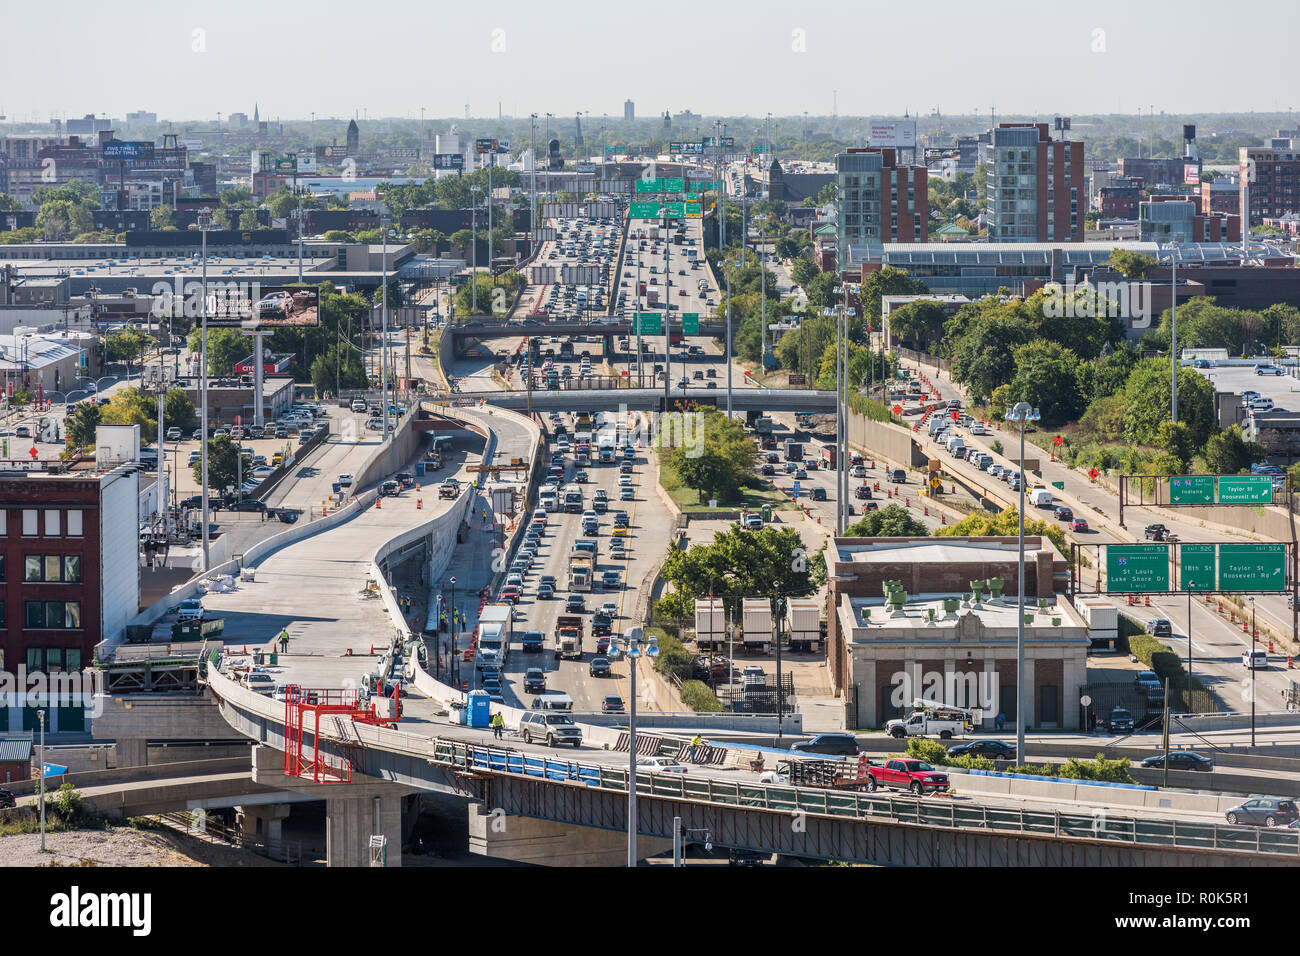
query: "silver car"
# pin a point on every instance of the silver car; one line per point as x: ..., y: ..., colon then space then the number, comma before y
x: 554, y: 728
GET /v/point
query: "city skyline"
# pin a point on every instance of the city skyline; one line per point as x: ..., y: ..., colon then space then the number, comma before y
x: 731, y: 60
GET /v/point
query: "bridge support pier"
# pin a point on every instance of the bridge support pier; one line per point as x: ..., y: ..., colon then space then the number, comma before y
x: 350, y: 822
x: 502, y: 836
x: 265, y: 822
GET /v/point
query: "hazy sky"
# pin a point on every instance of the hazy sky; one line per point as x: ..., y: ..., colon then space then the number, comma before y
x: 189, y: 60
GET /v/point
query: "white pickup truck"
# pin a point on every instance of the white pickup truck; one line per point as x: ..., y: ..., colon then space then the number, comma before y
x: 922, y: 724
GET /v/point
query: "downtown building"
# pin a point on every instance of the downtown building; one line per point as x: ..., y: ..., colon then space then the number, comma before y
x: 879, y: 200
x: 1270, y: 181
x: 1035, y: 186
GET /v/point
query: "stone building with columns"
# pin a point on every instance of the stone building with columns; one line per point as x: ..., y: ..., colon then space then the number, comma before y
x: 905, y: 624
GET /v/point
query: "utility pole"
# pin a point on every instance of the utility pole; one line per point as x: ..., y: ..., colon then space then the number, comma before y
x: 205, y: 221
x: 383, y: 228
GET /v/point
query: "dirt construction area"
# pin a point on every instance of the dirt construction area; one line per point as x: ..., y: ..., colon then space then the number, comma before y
x: 121, y: 846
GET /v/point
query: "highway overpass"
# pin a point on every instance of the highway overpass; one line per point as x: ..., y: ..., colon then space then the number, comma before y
x: 601, y: 326
x: 593, y: 400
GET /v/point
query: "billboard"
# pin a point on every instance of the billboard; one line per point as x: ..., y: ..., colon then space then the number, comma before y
x: 255, y: 306
x: 286, y: 164
x: 689, y: 149
x: 306, y: 164
x: 448, y: 161
x: 123, y: 150
x: 899, y: 134
x: 485, y: 145
x: 334, y: 152
x: 1191, y: 175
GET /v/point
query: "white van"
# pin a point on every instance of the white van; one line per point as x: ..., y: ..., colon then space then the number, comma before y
x: 953, y: 442
x: 1254, y: 660
x: 1040, y: 498
x: 553, y: 700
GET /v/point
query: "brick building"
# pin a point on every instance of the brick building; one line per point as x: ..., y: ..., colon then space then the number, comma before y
x: 69, y: 572
x: 1273, y: 177
x: 1035, y: 186
x: 879, y: 199
x: 881, y: 658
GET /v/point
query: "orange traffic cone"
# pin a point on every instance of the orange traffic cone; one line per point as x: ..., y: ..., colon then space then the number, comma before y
x: 379, y: 502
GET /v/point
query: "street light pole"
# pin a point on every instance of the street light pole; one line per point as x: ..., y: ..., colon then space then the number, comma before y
x: 383, y: 228
x: 1022, y: 413
x: 633, y: 652
x: 205, y: 221
x: 1252, y: 671
x: 1173, y: 336
x: 778, y: 612
x: 727, y: 265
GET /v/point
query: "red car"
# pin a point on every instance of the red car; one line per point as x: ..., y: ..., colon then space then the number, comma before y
x: 509, y: 593
x: 1078, y: 524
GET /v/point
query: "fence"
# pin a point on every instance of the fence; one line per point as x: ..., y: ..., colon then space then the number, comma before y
x: 857, y: 806
x: 214, y: 831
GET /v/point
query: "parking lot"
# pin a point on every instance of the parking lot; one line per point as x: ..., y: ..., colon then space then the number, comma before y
x: 1283, y: 390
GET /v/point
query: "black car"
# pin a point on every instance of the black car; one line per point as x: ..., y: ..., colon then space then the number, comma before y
x: 405, y: 479
x: 819, y: 494
x: 599, y: 667
x: 840, y: 745
x: 612, y: 704
x: 993, y: 749
x: 7, y: 801
x: 575, y: 604
x: 1179, y: 760
x: 534, y: 681
x: 1263, y: 812
x: 248, y: 504
x: 1062, y: 513
x: 1155, y: 532
x: 195, y: 502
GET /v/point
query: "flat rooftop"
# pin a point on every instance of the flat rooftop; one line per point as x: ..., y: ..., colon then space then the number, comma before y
x: 999, y: 613
x: 932, y: 551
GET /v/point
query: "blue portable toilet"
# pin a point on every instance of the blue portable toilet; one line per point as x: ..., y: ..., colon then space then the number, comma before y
x: 478, y: 709
x: 419, y: 468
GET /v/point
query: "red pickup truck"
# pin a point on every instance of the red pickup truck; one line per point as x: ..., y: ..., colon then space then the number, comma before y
x: 906, y: 773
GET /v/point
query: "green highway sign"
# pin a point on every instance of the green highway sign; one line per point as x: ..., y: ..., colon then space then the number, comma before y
x: 674, y: 184
x: 647, y: 186
x: 690, y: 323
x: 691, y: 209
x: 644, y: 210
x: 1252, y: 567
x: 1137, y: 567
x: 671, y: 184
x: 1191, y: 490
x: 1245, y: 490
x: 648, y: 323
x: 1196, y: 567
x: 674, y: 210
x: 1058, y: 485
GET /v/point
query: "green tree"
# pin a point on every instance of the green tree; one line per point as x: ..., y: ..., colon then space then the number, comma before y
x: 160, y: 217
x: 126, y: 346
x: 63, y: 219
x: 1132, y: 265
x: 80, y: 425
x: 178, y: 410
x: 738, y: 564
x: 1047, y: 376
x: 1228, y: 452
x: 225, y: 348
x: 1004, y: 524
x: 918, y: 324
x: 1176, y: 440
x: 891, y: 522
x: 984, y: 357
x: 132, y: 406
x: 882, y: 282
x: 460, y: 240
x: 223, y: 464
x: 1147, y: 401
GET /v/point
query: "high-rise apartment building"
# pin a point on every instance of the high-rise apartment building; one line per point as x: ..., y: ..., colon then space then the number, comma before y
x: 1035, y: 186
x: 629, y: 110
x: 878, y: 199
x: 1273, y: 178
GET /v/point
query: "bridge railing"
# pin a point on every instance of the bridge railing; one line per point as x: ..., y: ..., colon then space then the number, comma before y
x: 1174, y: 834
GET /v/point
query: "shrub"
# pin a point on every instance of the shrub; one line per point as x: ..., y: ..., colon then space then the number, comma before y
x: 997, y: 446
x: 697, y: 696
x: 674, y: 659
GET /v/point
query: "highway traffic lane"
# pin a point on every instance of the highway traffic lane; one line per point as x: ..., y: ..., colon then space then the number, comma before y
x: 648, y: 540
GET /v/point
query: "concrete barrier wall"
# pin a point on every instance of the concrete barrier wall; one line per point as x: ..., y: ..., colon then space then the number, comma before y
x: 391, y: 456
x: 884, y: 439
x: 1272, y: 522
x: 1082, y: 792
x: 755, y: 723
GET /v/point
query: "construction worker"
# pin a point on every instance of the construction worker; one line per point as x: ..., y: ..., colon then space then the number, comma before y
x: 696, y: 742
x: 498, y: 725
x: 284, y: 641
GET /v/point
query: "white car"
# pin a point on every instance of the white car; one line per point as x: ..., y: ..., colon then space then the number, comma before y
x: 345, y: 481
x: 979, y: 429
x: 660, y: 765
x: 772, y: 776
x: 625, y: 480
